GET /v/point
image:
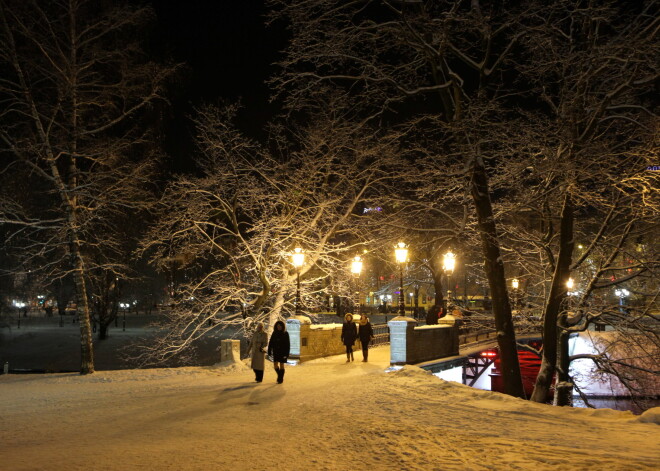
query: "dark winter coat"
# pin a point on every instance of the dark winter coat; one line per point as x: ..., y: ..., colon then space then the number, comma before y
x: 349, y: 333
x: 432, y: 315
x: 366, y: 333
x: 279, y: 344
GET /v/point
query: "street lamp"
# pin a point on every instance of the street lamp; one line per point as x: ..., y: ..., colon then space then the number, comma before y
x: 514, y: 284
x: 298, y: 260
x: 356, y: 269
x: 569, y: 284
x: 401, y: 254
x: 622, y: 295
x: 124, y: 307
x: 448, y: 265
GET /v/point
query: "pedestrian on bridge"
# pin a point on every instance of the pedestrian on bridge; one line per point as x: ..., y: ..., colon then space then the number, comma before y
x: 366, y: 334
x: 279, y: 346
x: 349, y: 335
x: 257, y: 351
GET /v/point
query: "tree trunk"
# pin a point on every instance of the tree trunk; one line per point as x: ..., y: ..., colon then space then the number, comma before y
x: 557, y: 294
x: 564, y: 385
x: 103, y: 331
x: 86, y: 346
x: 506, y: 337
x: 439, y: 300
x: 277, y: 309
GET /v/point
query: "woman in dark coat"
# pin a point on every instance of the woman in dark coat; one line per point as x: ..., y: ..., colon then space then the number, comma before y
x: 278, y: 347
x: 348, y: 336
x: 366, y: 334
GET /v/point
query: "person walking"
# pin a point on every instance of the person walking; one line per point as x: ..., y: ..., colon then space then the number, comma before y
x: 257, y: 351
x: 366, y: 334
x: 348, y: 336
x: 279, y: 346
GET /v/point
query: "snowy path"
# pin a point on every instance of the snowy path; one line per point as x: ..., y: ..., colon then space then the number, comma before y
x: 327, y: 415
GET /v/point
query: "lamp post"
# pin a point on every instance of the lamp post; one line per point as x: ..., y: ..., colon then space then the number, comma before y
x: 401, y: 254
x: 514, y: 284
x: 124, y: 307
x: 298, y: 260
x: 448, y: 265
x: 622, y: 295
x: 569, y: 284
x: 356, y: 269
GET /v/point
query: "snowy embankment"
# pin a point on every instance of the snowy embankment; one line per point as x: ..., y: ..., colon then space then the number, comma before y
x: 327, y: 415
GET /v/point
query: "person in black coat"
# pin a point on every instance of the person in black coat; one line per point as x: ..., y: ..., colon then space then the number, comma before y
x: 366, y: 334
x: 279, y: 346
x: 432, y: 315
x: 349, y: 334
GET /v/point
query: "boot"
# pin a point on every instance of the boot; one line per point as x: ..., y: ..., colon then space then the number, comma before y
x: 365, y: 355
x: 260, y: 375
x: 277, y: 370
x: 351, y: 356
x: 280, y: 376
x: 348, y: 358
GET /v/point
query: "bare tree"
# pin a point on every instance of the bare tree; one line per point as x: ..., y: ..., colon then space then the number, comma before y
x: 592, y: 68
x: 75, y: 91
x: 441, y: 59
x: 234, y: 227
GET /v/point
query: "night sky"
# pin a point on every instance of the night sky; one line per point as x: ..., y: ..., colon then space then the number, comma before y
x: 228, y: 51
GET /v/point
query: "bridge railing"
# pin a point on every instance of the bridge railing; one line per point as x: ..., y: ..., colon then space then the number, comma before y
x: 381, y: 334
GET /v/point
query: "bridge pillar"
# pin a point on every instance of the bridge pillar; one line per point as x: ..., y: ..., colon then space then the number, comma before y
x: 401, y: 333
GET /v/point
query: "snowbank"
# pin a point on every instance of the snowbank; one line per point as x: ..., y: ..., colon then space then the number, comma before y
x: 328, y: 415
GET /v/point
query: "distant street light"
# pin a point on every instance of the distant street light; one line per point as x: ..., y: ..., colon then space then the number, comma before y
x: 514, y: 284
x: 448, y: 265
x: 622, y: 294
x: 298, y: 260
x: 356, y: 270
x: 569, y: 284
x: 124, y: 307
x: 401, y: 255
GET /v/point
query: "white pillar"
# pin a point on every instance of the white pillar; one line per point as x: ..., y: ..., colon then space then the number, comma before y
x: 230, y: 350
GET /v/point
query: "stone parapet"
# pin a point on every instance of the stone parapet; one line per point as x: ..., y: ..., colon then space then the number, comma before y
x: 411, y: 344
x: 309, y: 342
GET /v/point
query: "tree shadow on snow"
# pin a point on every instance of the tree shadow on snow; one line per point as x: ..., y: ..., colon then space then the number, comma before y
x: 260, y: 394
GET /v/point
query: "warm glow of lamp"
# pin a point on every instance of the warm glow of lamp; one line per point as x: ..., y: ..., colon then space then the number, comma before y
x: 356, y: 265
x: 401, y: 252
x: 449, y: 262
x: 298, y: 257
x: 515, y: 283
x: 569, y: 283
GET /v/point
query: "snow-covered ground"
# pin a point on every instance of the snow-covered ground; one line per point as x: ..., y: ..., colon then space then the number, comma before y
x: 328, y: 415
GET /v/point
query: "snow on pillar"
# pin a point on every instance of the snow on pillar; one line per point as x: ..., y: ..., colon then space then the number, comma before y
x: 293, y: 326
x: 230, y: 350
x: 401, y: 330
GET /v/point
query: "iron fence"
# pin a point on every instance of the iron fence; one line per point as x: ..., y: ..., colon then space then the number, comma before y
x: 381, y: 334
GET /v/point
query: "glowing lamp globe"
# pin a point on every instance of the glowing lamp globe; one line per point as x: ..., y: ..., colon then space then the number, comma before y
x: 401, y: 252
x: 449, y: 261
x: 356, y: 265
x: 298, y: 257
